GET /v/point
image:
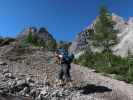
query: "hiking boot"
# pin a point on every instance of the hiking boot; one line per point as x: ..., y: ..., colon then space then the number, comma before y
x: 70, y: 84
x: 60, y: 83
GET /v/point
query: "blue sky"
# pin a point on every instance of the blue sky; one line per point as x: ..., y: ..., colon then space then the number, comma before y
x: 63, y: 18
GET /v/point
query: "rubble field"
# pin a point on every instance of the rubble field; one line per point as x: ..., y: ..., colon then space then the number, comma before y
x: 31, y: 74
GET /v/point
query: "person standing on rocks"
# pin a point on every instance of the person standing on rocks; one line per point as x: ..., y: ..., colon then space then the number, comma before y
x: 64, y: 60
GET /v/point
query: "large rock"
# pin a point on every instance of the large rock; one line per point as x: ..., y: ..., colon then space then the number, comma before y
x: 125, y: 36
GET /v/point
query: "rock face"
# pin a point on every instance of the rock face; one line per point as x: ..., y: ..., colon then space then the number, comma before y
x: 125, y: 35
x: 41, y: 33
x: 79, y: 43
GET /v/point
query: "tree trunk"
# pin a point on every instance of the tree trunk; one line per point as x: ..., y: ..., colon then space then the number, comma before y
x: 107, y: 54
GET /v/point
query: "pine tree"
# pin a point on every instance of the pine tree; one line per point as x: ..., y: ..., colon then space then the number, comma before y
x: 29, y: 38
x: 103, y: 34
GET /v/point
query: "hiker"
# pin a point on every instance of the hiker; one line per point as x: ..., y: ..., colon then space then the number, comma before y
x: 64, y: 60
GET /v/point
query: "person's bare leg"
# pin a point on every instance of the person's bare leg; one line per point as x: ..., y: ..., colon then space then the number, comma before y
x: 60, y: 76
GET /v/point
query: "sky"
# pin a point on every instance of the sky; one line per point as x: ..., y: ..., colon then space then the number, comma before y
x: 63, y: 18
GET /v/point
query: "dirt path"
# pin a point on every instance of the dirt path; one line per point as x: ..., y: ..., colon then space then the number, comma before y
x: 101, y: 87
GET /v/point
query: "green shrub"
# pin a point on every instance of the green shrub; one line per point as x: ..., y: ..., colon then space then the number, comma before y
x: 121, y: 67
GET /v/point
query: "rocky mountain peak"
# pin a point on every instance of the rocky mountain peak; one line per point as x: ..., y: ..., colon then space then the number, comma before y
x: 26, y: 31
x: 41, y: 33
x: 130, y: 21
x: 125, y: 36
x: 117, y: 18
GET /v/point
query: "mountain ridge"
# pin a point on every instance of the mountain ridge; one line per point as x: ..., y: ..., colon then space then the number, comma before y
x: 125, y: 35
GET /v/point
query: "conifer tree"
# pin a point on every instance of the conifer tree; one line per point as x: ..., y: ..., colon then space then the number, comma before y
x: 29, y: 38
x: 103, y: 34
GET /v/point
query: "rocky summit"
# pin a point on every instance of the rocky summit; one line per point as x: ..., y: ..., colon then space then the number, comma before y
x: 125, y: 35
x: 41, y: 33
